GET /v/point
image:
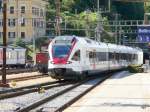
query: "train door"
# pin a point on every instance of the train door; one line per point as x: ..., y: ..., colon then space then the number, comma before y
x: 76, y: 61
x: 17, y: 57
x: 92, y: 60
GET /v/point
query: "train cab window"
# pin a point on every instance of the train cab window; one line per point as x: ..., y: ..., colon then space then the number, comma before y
x: 136, y: 56
x: 76, y: 56
x: 61, y: 51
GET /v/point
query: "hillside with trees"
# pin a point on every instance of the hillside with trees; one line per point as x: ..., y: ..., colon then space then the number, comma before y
x: 82, y: 14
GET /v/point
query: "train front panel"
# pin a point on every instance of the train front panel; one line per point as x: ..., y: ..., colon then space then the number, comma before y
x: 64, y: 58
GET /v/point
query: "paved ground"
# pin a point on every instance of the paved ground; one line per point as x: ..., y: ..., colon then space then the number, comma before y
x: 124, y: 92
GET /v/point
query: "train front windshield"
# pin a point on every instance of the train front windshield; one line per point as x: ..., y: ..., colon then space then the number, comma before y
x: 61, y: 51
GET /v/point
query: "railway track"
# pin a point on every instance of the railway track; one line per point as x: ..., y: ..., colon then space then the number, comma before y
x: 29, y: 89
x: 34, y: 101
x: 65, y: 98
x: 20, y: 70
x: 17, y: 79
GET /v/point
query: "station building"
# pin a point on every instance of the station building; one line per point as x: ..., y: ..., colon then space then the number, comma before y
x: 26, y: 19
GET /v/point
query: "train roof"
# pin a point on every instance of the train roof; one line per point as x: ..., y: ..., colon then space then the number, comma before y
x: 95, y: 44
x: 121, y: 48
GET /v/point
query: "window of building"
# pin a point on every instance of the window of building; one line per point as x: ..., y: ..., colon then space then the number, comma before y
x: 11, y: 34
x: 1, y: 34
x: 37, y: 11
x: 23, y: 22
x: 22, y: 34
x: 33, y: 10
x: 11, y: 22
x: 12, y: 10
x: 38, y: 23
x: 1, y: 22
x: 35, y: 23
x: 41, y: 24
x: 41, y: 13
x: 22, y: 9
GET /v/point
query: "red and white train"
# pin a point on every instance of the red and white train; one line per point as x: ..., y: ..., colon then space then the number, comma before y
x: 15, y: 56
x: 75, y: 57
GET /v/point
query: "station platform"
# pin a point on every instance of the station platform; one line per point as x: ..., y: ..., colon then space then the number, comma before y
x: 28, y: 82
x: 123, y: 92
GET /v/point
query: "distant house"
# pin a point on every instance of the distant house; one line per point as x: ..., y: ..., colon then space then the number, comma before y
x: 26, y: 19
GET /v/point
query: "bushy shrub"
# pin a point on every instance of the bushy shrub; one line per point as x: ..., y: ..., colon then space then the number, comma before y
x: 135, y: 68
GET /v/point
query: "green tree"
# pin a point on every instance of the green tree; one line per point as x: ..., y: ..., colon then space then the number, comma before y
x: 19, y: 42
x: 130, y: 11
x: 40, y: 41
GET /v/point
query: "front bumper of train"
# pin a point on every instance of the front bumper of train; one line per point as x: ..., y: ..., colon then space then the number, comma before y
x: 63, y: 73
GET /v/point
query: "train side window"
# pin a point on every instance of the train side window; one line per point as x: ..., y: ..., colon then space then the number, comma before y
x: 112, y: 56
x: 102, y: 56
x: 90, y: 55
x: 76, y: 56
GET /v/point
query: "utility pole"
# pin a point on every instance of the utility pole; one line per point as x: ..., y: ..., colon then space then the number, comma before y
x: 87, y: 32
x: 99, y: 27
x: 4, y: 83
x: 116, y: 28
x: 57, y: 17
x: 34, y: 49
x: 109, y: 5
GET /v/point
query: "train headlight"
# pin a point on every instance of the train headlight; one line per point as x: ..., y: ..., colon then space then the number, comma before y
x: 51, y: 62
x: 68, y: 62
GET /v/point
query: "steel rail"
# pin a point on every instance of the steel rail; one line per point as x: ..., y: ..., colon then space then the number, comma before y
x: 51, y: 97
x: 80, y: 95
x: 17, y: 79
x: 30, y: 90
x: 27, y: 87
